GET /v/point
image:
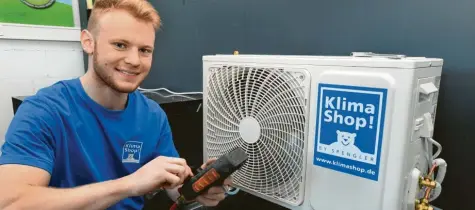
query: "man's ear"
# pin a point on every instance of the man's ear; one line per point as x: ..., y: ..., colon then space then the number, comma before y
x: 87, y: 42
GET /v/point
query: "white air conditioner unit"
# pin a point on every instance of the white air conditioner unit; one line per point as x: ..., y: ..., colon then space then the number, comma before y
x: 326, y: 132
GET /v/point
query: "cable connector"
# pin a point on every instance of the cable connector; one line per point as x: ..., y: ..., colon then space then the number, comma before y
x: 423, y: 204
x: 427, y: 126
x: 427, y: 182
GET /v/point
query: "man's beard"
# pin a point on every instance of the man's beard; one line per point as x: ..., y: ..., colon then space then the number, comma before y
x: 107, y: 79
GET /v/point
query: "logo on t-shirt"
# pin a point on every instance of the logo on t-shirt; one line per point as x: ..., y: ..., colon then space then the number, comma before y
x: 131, y: 152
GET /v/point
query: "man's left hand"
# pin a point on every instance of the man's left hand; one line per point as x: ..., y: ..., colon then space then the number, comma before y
x: 215, y: 194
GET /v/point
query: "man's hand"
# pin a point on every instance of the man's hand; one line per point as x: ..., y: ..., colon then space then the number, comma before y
x: 26, y: 187
x: 215, y: 194
x: 161, y: 172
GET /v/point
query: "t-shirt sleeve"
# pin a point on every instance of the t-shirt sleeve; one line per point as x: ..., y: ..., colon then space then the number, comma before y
x: 29, y: 138
x: 166, y: 146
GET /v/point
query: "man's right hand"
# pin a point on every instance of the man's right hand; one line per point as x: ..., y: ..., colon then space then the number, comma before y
x: 22, y: 190
x: 161, y: 172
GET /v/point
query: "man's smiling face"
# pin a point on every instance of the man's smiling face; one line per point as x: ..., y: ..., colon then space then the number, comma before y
x: 123, y: 49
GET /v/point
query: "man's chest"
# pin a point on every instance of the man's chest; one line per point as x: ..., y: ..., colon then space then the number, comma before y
x: 127, y: 142
x: 96, y: 150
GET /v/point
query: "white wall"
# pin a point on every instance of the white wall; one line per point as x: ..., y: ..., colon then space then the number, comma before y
x: 27, y: 65
x: 33, y: 57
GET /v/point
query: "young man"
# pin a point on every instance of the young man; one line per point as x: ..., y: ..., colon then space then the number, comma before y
x: 95, y: 142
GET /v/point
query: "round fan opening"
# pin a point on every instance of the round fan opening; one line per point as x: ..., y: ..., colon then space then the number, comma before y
x: 263, y: 111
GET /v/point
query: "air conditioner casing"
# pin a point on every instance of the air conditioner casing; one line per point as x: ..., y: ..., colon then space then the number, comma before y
x: 390, y: 94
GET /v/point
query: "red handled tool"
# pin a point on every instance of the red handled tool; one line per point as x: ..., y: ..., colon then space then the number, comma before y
x: 213, y: 175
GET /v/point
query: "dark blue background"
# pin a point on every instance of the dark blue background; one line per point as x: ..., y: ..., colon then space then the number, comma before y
x: 432, y: 28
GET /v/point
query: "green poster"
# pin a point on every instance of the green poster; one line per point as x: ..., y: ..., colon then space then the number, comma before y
x: 37, y: 12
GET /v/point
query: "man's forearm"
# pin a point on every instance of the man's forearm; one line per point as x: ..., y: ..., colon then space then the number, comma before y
x: 94, y: 196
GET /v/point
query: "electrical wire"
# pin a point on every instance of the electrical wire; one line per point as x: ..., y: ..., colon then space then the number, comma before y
x: 182, y: 94
x: 169, y: 91
x: 434, y: 162
x: 430, y: 156
x: 168, y: 96
x: 439, y: 148
x: 174, y: 206
x: 427, y: 154
x: 232, y: 192
x: 228, y: 192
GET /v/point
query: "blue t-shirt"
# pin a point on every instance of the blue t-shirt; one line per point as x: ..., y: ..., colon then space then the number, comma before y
x: 63, y: 131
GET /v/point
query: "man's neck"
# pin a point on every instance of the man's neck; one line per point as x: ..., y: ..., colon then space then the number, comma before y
x: 102, y: 94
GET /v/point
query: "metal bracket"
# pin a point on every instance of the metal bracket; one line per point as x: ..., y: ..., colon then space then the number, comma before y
x: 370, y: 54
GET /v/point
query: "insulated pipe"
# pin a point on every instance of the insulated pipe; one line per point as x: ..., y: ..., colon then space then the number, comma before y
x: 436, y: 192
x: 442, y: 168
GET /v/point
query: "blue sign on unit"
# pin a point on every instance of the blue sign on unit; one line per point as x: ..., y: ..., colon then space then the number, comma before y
x: 350, y: 127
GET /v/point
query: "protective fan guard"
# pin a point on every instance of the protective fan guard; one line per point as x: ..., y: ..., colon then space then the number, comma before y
x: 277, y: 100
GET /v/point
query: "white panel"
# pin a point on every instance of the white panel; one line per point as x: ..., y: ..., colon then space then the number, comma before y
x: 63, y: 62
x: 22, y: 63
x: 349, y: 117
x: 28, y: 65
x: 37, y: 84
x: 33, y: 32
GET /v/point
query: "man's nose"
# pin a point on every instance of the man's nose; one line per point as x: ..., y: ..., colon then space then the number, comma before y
x: 133, y: 58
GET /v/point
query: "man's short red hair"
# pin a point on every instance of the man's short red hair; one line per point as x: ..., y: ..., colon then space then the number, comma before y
x: 140, y: 9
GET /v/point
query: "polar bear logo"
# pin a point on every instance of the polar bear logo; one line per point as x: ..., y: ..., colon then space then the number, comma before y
x: 346, y: 142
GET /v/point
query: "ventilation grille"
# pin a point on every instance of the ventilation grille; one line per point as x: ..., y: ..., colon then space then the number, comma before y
x: 263, y: 111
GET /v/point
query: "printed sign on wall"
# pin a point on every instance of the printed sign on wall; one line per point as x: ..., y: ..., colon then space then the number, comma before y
x: 37, y: 12
x: 350, y: 126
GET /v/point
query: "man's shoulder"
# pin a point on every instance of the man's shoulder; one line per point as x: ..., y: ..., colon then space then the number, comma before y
x: 41, y: 110
x: 56, y: 95
x: 58, y: 88
x: 150, y: 105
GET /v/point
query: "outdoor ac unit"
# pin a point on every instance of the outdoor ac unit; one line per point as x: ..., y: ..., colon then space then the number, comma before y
x: 326, y: 132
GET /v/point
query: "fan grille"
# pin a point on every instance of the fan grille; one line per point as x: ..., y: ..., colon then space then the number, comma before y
x: 277, y: 101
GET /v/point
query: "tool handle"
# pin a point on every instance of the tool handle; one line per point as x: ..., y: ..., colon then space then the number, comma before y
x: 214, y: 174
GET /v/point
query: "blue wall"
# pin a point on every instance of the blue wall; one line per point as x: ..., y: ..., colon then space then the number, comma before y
x: 431, y: 28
